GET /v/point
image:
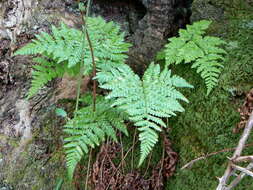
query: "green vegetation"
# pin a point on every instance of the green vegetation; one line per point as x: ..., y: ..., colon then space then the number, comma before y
x: 90, y: 128
x: 203, y: 51
x: 146, y: 101
x: 205, y: 126
x: 62, y: 51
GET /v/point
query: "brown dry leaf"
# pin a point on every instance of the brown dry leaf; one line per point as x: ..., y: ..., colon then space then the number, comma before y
x: 105, y: 174
x: 245, y: 111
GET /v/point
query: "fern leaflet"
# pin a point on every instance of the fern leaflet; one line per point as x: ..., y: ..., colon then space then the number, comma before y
x: 64, y: 47
x: 43, y: 73
x: 88, y: 129
x: 204, y: 52
x: 65, y: 44
x: 146, y: 101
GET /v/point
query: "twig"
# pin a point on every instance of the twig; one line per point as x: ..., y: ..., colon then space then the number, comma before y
x: 239, y: 177
x: 244, y: 170
x: 160, y: 171
x: 189, y: 164
x: 223, y: 180
x: 244, y: 158
x: 129, y: 150
x: 102, y: 165
x: 149, y: 160
x: 122, y: 151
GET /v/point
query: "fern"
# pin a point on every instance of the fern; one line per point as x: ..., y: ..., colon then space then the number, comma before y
x: 204, y: 52
x: 43, y: 73
x: 146, y: 101
x: 65, y: 44
x: 88, y: 129
x: 64, y: 48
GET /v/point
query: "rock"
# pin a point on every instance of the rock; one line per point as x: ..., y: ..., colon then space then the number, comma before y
x: 160, y: 22
x: 22, y: 154
x: 203, y: 9
x: 149, y: 24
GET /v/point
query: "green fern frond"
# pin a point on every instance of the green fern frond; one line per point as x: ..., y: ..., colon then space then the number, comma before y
x: 204, y: 52
x: 146, y: 101
x: 64, y: 47
x: 44, y: 72
x: 88, y: 129
x: 65, y: 44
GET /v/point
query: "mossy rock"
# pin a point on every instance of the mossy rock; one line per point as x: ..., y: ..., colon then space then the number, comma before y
x: 206, y: 126
x: 204, y: 9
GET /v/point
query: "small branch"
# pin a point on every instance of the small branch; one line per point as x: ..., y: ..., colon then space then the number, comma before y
x: 88, y: 171
x: 160, y: 171
x: 121, y: 162
x: 149, y: 161
x: 243, y: 159
x: 239, y: 177
x: 244, y: 170
x: 223, y: 180
x: 244, y: 137
x: 189, y: 164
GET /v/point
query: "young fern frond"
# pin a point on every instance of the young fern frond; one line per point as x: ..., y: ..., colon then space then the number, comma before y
x: 44, y: 72
x: 146, y: 101
x: 204, y: 52
x: 88, y: 129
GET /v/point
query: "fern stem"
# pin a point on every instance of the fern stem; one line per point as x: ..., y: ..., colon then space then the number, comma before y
x: 129, y: 150
x: 163, y: 155
x: 88, y: 171
x: 93, y: 70
x: 149, y: 161
x: 82, y: 57
x: 132, y: 159
x: 122, y: 152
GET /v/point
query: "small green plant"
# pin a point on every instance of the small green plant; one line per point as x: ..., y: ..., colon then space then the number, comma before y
x: 203, y: 52
x: 144, y: 101
x: 90, y: 128
x: 62, y: 51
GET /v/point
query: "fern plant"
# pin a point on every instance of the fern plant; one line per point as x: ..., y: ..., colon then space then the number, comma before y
x: 88, y: 129
x: 203, y: 51
x: 64, y: 47
x: 146, y: 101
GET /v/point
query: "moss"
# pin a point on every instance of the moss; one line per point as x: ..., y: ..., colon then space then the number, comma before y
x: 206, y: 126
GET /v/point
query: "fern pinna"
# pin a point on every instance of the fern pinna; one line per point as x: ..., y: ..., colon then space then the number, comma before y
x: 44, y: 72
x: 146, y: 101
x: 204, y: 52
x: 89, y: 129
x: 64, y: 47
